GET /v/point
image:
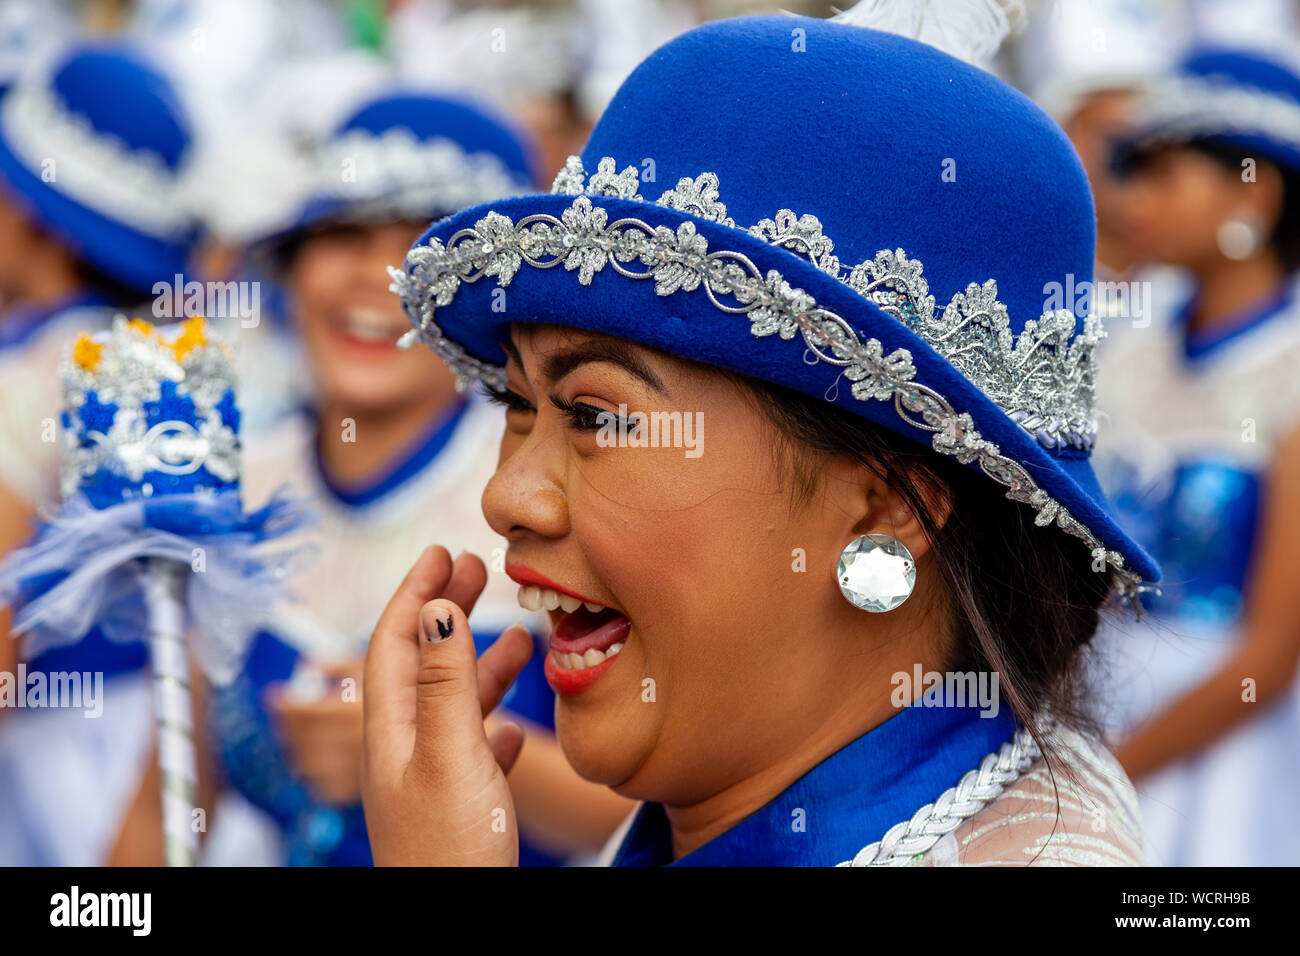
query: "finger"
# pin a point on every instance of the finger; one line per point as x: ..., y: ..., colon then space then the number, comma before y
x: 393, y: 657
x: 334, y: 786
x: 448, y: 722
x: 325, y: 736
x: 506, y: 742
x: 318, y: 767
x: 468, y: 578
x: 500, y: 664
x: 276, y: 701
x: 320, y: 718
x: 338, y: 670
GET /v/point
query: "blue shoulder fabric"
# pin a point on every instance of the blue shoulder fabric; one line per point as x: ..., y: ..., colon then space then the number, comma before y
x: 846, y: 802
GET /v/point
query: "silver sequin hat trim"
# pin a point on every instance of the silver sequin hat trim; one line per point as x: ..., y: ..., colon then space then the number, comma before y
x: 1178, y: 109
x: 395, y: 174
x: 1044, y: 376
x: 98, y: 170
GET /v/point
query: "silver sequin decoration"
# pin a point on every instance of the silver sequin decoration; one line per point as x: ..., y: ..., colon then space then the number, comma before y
x: 1179, y: 108
x: 1044, y: 376
x: 396, y: 174
x: 129, y: 374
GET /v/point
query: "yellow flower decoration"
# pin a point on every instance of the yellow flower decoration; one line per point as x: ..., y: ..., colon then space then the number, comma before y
x: 86, y: 352
x: 193, y: 334
x: 144, y: 328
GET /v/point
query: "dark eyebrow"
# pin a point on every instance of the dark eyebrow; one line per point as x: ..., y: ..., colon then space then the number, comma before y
x: 563, y: 361
x: 615, y: 351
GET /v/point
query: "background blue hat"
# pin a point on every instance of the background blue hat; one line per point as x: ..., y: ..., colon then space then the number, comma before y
x: 411, y: 155
x: 926, y: 177
x: 94, y: 150
x: 1233, y: 97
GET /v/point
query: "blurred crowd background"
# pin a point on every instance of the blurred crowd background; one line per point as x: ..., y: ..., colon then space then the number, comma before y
x: 265, y: 86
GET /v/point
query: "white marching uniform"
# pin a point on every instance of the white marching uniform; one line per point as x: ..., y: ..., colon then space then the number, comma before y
x: 373, y: 542
x: 349, y: 562
x: 1183, y: 452
x: 67, y: 780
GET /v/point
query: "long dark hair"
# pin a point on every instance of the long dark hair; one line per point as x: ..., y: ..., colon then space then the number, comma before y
x: 1025, y: 599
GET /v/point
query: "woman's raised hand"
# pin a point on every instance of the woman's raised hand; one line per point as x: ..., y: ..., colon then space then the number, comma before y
x: 433, y: 783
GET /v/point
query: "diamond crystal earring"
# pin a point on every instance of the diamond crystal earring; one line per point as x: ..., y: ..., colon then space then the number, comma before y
x: 876, y: 573
x: 1240, y: 237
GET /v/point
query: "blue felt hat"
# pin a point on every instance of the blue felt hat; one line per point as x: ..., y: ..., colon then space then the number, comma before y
x: 1232, y: 97
x: 95, y: 150
x: 844, y: 212
x: 411, y: 155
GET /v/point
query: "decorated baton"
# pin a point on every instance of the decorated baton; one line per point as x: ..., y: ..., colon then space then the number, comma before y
x: 151, y: 541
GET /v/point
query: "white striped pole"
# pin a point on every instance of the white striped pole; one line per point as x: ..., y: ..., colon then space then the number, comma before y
x: 163, y: 583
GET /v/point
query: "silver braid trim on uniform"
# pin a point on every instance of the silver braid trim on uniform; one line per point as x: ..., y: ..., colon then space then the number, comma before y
x: 904, y: 842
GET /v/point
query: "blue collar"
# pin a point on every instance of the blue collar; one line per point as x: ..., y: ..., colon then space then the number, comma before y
x: 1198, y: 345
x: 22, y: 322
x: 409, y: 464
x: 844, y: 803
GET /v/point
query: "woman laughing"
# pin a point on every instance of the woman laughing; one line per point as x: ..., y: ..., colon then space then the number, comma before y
x: 787, y: 230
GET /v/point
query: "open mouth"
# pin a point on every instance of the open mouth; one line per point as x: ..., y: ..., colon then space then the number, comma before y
x: 368, y: 328
x: 585, y: 642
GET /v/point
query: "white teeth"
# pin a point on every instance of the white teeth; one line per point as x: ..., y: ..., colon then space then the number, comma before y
x: 530, y: 598
x: 533, y: 598
x: 592, y: 657
x: 369, y: 324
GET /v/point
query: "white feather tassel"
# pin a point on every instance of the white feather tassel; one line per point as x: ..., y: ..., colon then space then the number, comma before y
x: 971, y: 30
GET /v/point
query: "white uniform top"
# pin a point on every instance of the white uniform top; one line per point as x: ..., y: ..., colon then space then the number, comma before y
x: 31, y: 402
x: 1183, y: 452
x: 363, y: 548
x: 1236, y: 402
x: 50, y: 759
x: 352, y: 559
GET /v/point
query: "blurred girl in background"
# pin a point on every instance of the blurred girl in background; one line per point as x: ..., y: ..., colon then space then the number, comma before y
x: 1203, y: 451
x: 93, y: 212
x: 387, y: 450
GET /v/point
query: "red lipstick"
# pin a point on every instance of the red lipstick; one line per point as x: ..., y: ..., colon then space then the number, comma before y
x: 522, y: 574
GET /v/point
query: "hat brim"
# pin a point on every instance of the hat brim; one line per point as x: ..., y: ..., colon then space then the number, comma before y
x: 688, y: 324
x: 131, y: 257
x: 320, y: 214
x: 1138, y: 143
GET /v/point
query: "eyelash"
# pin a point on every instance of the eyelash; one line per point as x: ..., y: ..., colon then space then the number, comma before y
x: 579, y: 415
x: 511, y: 401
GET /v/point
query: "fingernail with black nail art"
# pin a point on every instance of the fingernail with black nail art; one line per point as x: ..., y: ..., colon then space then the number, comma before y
x: 443, y: 625
x: 444, y: 628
